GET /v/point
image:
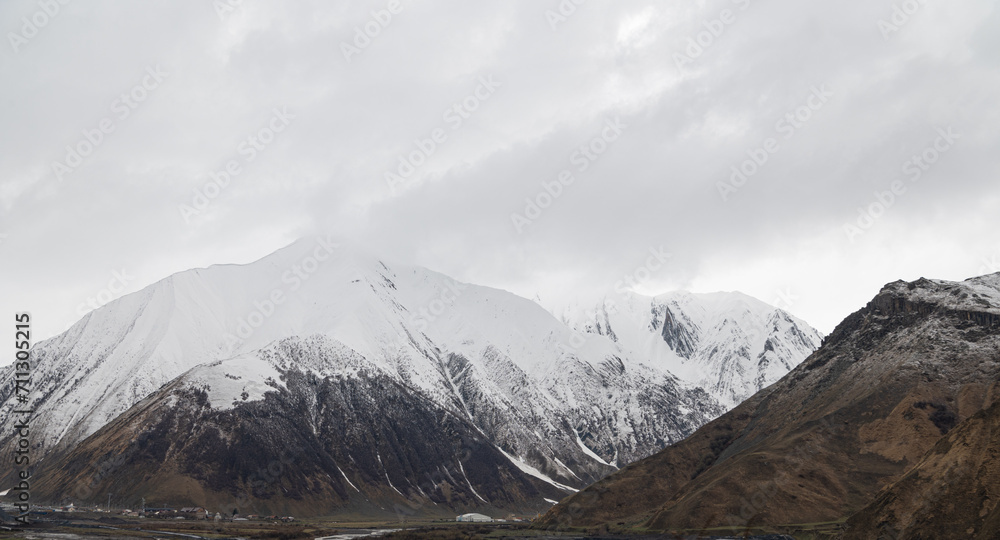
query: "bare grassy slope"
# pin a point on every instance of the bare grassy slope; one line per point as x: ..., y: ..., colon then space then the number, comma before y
x: 952, y: 494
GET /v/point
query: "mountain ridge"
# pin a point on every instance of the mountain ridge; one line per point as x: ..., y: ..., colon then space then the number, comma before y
x: 563, y: 407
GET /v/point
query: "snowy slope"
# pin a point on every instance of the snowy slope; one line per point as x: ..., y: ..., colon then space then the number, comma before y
x: 730, y: 344
x: 570, y: 406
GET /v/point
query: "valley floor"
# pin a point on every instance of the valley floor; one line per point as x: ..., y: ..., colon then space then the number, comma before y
x: 89, y: 525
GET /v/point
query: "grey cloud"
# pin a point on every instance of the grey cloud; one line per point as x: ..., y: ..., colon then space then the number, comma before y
x: 657, y: 185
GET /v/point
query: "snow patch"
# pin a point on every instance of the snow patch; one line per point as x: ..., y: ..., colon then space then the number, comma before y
x: 591, y: 453
x: 348, y: 479
x: 467, y: 481
x: 528, y: 469
x: 226, y: 390
x: 392, y: 486
x: 563, y: 465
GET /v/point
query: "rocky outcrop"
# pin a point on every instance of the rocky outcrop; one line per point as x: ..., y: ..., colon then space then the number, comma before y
x: 677, y: 336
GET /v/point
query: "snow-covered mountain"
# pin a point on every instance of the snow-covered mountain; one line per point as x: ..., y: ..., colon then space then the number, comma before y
x: 562, y: 406
x: 730, y: 344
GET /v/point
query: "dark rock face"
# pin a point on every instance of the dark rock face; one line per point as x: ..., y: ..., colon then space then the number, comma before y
x: 817, y: 446
x: 319, y: 446
x: 903, y: 302
x: 677, y: 335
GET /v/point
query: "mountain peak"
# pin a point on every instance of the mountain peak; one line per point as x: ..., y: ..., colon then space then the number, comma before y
x: 728, y: 343
x: 976, y: 299
x: 563, y: 405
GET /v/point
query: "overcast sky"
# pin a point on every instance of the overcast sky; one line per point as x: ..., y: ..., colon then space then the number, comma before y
x: 314, y: 103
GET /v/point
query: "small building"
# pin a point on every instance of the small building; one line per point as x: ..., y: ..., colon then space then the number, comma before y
x: 474, y: 518
x: 194, y: 512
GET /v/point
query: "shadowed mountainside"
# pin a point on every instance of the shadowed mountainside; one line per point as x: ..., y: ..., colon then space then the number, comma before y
x: 312, y: 446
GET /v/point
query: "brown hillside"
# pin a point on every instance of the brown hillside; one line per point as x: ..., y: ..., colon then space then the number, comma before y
x: 819, y: 444
x: 952, y: 494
